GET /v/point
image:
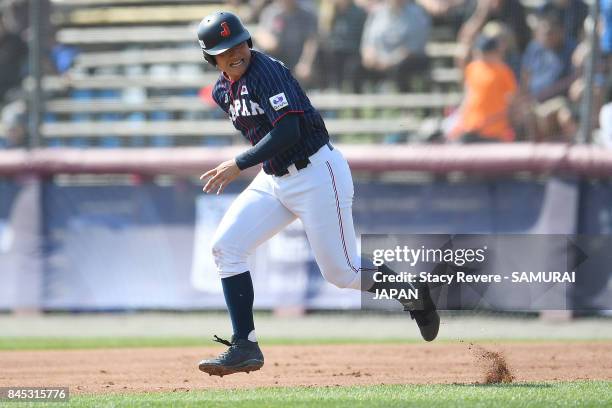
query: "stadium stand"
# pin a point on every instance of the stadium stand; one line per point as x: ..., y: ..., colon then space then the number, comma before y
x: 140, y: 68
x: 148, y: 48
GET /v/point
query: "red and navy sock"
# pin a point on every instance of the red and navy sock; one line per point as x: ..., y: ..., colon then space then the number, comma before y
x: 238, y: 291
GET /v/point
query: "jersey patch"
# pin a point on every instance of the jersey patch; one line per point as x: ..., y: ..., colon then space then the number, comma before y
x: 244, y: 90
x: 279, y: 101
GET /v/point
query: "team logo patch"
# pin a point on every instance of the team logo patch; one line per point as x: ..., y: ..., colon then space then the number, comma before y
x: 279, y: 101
x: 244, y: 90
x: 226, y: 30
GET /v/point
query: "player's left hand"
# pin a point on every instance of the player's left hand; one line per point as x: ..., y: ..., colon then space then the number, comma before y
x: 220, y: 176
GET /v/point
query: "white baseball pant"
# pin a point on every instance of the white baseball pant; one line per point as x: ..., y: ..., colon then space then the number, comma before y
x: 320, y: 195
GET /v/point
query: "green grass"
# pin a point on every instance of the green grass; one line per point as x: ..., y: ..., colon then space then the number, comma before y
x: 72, y: 343
x: 68, y: 343
x: 583, y: 394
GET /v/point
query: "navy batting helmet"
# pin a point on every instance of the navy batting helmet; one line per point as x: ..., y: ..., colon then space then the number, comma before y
x: 218, y: 32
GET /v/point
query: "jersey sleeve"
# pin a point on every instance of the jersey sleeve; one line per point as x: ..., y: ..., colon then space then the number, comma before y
x: 278, y: 91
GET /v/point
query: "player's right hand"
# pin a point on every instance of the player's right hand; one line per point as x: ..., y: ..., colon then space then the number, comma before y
x: 220, y: 176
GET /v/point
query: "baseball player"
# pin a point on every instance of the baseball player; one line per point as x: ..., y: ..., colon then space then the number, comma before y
x: 303, y: 177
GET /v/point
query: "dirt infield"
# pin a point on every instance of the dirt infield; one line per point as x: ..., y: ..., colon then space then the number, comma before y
x: 175, y: 369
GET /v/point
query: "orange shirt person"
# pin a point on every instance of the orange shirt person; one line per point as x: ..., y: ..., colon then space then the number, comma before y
x: 490, y: 86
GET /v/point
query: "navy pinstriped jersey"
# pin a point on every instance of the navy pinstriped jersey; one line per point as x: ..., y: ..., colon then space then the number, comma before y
x: 261, y: 97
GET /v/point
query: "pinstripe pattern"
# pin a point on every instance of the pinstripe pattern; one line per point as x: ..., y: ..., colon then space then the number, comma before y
x: 264, y: 79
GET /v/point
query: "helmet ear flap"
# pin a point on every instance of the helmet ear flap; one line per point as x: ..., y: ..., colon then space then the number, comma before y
x: 210, y: 58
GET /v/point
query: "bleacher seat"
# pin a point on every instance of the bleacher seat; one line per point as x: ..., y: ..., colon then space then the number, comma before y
x: 143, y: 62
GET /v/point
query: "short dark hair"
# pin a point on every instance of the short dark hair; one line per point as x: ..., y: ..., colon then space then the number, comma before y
x: 486, y: 43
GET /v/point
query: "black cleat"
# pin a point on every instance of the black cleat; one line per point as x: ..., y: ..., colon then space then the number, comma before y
x: 426, y: 316
x: 242, y: 356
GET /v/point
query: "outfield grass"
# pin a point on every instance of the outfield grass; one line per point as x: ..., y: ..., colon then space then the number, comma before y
x: 68, y: 343
x: 583, y: 394
x: 73, y: 343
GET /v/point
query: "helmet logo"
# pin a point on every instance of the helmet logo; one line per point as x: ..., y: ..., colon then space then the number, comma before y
x: 226, y: 30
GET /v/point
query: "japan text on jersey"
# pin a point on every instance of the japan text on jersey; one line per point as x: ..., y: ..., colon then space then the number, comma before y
x: 260, y: 98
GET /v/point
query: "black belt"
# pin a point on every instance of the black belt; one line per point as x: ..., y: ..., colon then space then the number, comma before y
x: 299, y: 164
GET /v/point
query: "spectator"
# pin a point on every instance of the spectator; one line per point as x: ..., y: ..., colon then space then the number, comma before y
x: 13, y: 54
x: 16, y: 16
x: 14, y: 121
x: 247, y: 10
x: 452, y: 12
x: 393, y: 42
x: 547, y: 74
x: 507, y: 44
x: 510, y: 12
x: 288, y: 32
x: 250, y: 11
x: 339, y: 50
x: 490, y: 87
x: 547, y: 62
x: 572, y: 14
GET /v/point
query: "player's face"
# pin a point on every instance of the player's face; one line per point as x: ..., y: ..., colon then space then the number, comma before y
x: 235, y: 61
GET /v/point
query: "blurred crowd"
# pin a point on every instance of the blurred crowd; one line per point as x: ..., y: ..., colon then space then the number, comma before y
x: 14, y: 38
x: 522, y: 71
